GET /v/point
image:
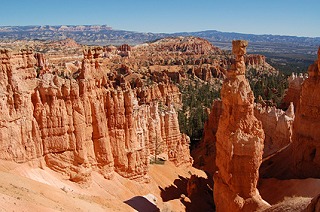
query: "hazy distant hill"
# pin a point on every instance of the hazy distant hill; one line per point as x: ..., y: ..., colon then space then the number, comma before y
x: 102, y: 34
x: 87, y: 34
x: 300, y: 51
x: 213, y: 35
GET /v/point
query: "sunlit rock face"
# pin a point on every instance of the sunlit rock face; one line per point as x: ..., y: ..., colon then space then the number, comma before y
x: 91, y: 122
x: 239, y: 144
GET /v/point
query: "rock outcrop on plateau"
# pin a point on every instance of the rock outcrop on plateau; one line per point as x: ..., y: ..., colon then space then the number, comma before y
x: 94, y: 122
x: 255, y: 59
x: 306, y: 133
x: 239, y: 144
x: 185, y: 44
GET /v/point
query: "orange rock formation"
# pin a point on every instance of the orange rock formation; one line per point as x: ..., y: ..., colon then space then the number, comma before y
x: 185, y: 44
x: 95, y: 122
x: 306, y: 133
x: 277, y: 126
x: 255, y: 59
x: 293, y: 93
x: 239, y: 142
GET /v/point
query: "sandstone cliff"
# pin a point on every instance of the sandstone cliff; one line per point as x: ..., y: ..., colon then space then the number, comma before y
x: 239, y: 143
x: 306, y: 133
x: 95, y: 122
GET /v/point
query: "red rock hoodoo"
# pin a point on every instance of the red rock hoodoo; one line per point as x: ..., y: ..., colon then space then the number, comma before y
x: 306, y: 133
x: 239, y: 142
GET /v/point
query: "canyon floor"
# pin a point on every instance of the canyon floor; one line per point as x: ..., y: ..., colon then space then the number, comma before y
x: 23, y: 188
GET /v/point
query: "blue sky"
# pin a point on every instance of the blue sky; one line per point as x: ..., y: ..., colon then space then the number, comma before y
x: 281, y: 17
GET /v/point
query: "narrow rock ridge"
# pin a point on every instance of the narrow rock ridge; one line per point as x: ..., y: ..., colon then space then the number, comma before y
x: 239, y: 142
x: 95, y: 122
x: 306, y: 133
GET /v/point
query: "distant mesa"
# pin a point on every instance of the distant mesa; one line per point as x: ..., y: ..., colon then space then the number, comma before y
x: 56, y: 28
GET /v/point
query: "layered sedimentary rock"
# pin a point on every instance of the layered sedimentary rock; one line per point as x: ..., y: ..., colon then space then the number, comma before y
x: 277, y: 126
x: 239, y: 142
x: 94, y: 122
x: 18, y: 141
x: 306, y: 133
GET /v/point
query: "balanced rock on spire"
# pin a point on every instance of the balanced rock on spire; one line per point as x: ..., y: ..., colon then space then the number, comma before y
x: 239, y: 144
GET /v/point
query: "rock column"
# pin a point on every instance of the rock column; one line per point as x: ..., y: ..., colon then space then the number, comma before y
x: 239, y: 144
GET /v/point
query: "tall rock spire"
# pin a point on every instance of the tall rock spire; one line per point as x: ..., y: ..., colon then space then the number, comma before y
x: 240, y: 140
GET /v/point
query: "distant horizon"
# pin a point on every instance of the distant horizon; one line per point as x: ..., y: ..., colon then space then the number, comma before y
x: 35, y: 25
x: 273, y: 17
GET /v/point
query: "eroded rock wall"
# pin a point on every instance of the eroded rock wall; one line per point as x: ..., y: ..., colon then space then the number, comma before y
x: 90, y: 123
x: 19, y: 141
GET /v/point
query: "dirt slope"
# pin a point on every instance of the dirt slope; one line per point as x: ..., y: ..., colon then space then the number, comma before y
x: 23, y: 188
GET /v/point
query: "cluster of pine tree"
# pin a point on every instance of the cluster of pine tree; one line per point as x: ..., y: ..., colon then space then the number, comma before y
x: 269, y: 86
x: 196, y: 98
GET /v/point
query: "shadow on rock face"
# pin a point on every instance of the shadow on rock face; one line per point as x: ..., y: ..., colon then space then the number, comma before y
x: 141, y: 204
x: 195, y: 193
